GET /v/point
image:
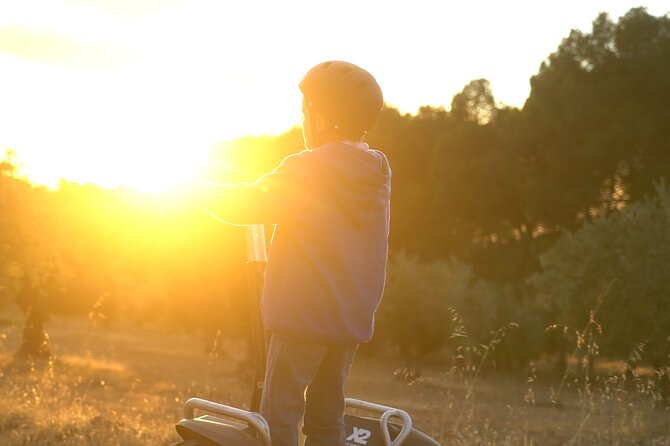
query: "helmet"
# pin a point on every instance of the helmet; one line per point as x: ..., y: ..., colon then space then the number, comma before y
x: 343, y: 93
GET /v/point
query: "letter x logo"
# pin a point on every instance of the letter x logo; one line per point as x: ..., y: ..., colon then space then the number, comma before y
x: 360, y: 436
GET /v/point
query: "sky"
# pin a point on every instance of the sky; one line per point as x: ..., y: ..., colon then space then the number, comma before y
x: 135, y: 92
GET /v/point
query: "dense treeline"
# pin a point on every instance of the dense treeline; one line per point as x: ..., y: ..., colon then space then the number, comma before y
x: 500, y: 215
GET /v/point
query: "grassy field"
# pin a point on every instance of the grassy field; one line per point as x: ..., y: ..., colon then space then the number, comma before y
x: 126, y: 386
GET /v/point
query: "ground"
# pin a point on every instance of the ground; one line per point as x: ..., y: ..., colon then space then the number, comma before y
x: 125, y: 385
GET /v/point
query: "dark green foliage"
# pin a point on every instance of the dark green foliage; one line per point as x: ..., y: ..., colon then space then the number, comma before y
x: 598, y: 110
x: 432, y: 309
x: 416, y: 316
x: 495, y: 186
x: 627, y: 253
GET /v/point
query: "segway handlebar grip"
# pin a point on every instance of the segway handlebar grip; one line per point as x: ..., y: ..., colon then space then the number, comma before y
x: 387, y: 412
x: 256, y: 250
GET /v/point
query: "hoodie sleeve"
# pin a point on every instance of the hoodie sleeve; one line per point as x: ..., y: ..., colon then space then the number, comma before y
x: 274, y: 198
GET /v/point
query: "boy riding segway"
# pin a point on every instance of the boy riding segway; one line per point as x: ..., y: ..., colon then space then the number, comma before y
x: 326, y: 267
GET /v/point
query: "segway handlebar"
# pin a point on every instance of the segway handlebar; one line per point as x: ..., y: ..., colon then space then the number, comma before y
x: 387, y: 412
x: 252, y: 419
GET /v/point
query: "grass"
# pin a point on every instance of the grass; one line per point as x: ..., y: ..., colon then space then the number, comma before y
x: 124, y: 385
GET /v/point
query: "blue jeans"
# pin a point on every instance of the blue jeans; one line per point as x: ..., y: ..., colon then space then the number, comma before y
x: 305, y: 377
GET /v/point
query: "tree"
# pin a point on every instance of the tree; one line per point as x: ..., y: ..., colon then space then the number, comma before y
x: 408, y: 141
x: 29, y: 264
x: 475, y: 103
x: 598, y: 112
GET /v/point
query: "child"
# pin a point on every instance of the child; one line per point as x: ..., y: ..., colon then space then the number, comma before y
x: 327, y: 263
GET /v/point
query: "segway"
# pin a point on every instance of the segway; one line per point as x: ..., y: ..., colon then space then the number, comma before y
x: 207, y: 423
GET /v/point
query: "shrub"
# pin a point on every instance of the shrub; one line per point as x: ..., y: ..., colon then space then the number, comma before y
x: 630, y: 250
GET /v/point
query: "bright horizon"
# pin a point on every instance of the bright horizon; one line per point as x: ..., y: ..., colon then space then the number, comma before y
x: 136, y: 92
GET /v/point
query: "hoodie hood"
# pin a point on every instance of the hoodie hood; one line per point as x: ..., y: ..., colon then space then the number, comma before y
x: 362, y: 177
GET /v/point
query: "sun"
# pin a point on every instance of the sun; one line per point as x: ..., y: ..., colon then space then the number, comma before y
x: 160, y: 174
x: 142, y: 158
x: 165, y: 172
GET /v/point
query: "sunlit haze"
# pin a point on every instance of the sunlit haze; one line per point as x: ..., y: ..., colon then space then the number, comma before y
x: 135, y: 92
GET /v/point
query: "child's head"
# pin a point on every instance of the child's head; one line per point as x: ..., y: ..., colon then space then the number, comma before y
x: 341, y: 101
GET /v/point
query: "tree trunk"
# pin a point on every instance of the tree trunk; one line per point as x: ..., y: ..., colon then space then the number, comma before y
x: 34, y: 340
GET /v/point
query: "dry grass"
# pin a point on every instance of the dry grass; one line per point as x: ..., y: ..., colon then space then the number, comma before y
x: 126, y: 386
